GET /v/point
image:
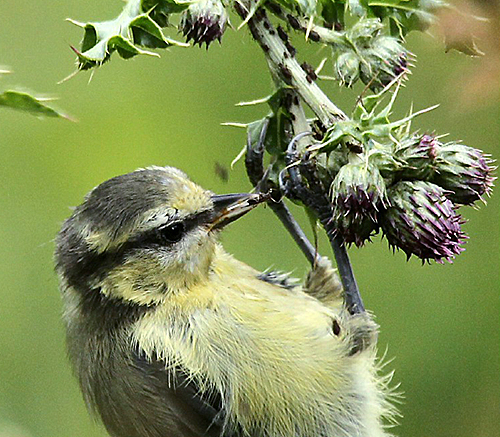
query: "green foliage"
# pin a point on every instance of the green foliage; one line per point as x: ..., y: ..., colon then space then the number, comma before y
x: 403, y: 16
x: 23, y: 101
x: 367, y: 41
x: 139, y: 25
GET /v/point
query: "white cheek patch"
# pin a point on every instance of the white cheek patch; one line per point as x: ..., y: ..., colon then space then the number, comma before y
x: 155, y: 274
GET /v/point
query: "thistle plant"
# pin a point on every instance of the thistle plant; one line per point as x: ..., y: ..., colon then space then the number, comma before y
x: 358, y: 173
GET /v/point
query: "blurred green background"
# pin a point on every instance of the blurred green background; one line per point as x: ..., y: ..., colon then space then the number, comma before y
x: 439, y: 322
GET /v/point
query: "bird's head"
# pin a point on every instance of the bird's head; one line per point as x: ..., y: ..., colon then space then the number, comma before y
x: 145, y: 234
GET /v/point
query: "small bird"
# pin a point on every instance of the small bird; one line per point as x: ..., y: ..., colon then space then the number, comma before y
x: 171, y: 336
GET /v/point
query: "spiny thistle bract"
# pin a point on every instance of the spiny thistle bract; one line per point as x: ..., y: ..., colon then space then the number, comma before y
x: 346, y: 69
x: 417, y: 155
x: 422, y: 221
x: 358, y: 196
x: 385, y: 60
x: 464, y: 171
x: 204, y: 22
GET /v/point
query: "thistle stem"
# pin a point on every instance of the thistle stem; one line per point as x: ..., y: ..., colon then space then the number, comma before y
x: 352, y: 296
x: 255, y: 170
x: 282, y: 63
x: 298, y: 235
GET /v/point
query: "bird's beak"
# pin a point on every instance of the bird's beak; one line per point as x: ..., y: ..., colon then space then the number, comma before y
x: 230, y: 207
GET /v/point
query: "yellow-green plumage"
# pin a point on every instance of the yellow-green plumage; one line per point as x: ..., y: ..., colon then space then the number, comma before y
x: 270, y: 352
x: 283, y: 361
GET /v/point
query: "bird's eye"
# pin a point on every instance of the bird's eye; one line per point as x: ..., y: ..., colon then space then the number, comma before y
x: 172, y: 233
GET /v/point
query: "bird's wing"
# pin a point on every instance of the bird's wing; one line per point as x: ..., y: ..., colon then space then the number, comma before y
x: 182, y: 397
x: 278, y: 278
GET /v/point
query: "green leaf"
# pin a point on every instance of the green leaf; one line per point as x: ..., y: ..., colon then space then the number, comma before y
x: 25, y: 102
x: 406, y: 15
x: 332, y: 12
x: 128, y: 34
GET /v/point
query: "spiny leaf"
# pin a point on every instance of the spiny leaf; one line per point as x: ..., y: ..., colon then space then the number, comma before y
x: 23, y: 101
x: 128, y: 34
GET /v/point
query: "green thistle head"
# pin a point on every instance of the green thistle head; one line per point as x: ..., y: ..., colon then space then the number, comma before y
x: 464, y: 171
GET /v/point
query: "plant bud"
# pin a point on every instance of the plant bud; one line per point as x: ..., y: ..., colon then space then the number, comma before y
x: 421, y: 221
x: 364, y: 30
x: 383, y: 62
x: 464, y: 171
x: 337, y: 158
x: 346, y: 68
x: 358, y: 195
x: 204, y: 22
x: 418, y: 155
x: 382, y: 157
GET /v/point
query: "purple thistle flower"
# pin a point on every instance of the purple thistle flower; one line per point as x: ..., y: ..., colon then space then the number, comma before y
x: 204, y: 22
x: 423, y: 222
x: 358, y: 196
x: 464, y: 171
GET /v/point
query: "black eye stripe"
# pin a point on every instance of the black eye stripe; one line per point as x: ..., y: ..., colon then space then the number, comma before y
x: 88, y: 265
x: 158, y: 237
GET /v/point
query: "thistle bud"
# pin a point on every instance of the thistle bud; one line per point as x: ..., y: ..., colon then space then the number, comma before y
x: 204, y: 22
x: 381, y: 156
x: 418, y: 155
x: 358, y: 196
x: 383, y: 62
x: 365, y: 29
x: 464, y: 171
x: 346, y: 68
x: 422, y: 221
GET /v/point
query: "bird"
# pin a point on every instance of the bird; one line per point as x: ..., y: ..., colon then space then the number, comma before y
x: 171, y: 336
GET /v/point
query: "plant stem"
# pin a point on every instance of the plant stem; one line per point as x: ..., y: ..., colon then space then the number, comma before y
x: 285, y: 68
x: 281, y: 59
x: 254, y: 163
x: 352, y: 296
x: 291, y: 225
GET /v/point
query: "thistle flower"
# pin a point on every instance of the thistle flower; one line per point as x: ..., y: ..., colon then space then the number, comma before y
x: 204, y: 22
x: 418, y: 154
x: 358, y: 196
x: 383, y: 62
x: 464, y: 171
x: 422, y: 221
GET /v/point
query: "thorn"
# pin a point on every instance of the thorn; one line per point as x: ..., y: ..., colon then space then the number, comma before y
x: 70, y: 76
